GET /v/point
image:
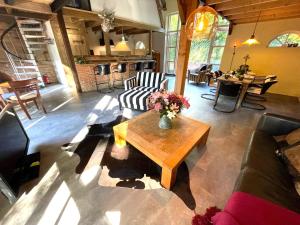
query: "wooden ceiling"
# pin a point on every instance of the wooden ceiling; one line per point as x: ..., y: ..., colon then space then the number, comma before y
x: 247, y: 11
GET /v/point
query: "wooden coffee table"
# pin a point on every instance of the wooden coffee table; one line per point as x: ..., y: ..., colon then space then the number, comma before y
x: 167, y: 148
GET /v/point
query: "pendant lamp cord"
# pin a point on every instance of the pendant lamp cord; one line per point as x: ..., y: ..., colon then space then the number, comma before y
x: 256, y: 22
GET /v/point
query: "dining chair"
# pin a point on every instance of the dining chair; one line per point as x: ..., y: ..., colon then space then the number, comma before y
x: 228, y: 89
x: 257, y: 91
x: 26, y: 91
x: 213, y: 89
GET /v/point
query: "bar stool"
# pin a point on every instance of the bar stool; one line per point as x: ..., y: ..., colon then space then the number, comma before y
x: 139, y: 66
x: 149, y: 66
x: 120, y: 69
x: 132, y: 69
x: 104, y: 71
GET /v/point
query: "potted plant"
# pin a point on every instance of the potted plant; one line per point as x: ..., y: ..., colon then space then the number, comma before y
x: 168, y: 105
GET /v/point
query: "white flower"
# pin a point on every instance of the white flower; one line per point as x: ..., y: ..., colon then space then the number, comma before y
x: 171, y: 114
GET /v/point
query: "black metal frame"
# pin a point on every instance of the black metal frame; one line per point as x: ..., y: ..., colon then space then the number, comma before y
x: 98, y: 73
x: 236, y: 99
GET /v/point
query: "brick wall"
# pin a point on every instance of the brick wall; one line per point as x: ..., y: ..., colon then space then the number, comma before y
x: 87, y: 78
x: 49, y: 70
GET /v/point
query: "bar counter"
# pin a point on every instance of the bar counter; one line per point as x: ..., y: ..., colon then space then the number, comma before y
x: 86, y: 72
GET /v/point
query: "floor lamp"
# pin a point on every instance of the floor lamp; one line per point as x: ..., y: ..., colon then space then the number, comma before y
x: 232, y: 58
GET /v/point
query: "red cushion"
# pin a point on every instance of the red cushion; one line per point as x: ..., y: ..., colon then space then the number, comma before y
x: 245, y: 209
x: 224, y: 218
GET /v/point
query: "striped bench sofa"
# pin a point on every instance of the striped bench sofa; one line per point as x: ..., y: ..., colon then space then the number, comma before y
x: 139, y: 88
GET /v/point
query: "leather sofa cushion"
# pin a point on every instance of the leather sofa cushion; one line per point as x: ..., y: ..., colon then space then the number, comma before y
x: 261, y: 157
x: 253, y: 182
x: 293, y: 137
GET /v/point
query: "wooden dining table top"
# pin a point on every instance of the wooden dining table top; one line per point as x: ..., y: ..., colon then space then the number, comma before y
x: 236, y: 80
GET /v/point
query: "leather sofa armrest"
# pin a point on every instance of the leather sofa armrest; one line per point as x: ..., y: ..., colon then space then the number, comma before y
x: 277, y: 125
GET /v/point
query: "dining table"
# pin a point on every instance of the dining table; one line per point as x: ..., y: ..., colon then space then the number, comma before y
x: 244, y: 86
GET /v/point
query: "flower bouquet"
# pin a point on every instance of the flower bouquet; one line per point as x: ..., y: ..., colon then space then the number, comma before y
x: 168, y: 105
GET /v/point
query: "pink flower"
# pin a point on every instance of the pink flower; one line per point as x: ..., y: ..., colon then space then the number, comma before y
x: 185, y: 103
x: 157, y: 106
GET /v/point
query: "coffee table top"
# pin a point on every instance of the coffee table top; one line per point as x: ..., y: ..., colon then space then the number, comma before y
x: 162, y: 146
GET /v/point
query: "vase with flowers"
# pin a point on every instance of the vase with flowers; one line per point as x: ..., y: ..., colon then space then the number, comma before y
x: 168, y: 105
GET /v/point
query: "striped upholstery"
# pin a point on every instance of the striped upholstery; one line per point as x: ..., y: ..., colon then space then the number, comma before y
x: 138, y: 89
x: 150, y: 79
x: 130, y: 83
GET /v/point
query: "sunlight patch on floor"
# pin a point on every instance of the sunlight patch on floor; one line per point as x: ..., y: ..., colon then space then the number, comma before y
x: 80, y: 135
x: 114, y: 217
x: 71, y: 214
x: 89, y: 174
x: 56, y: 205
x: 103, y: 103
x: 62, y: 104
x: 35, y: 122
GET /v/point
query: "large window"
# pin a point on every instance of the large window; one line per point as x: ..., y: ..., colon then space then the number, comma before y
x: 210, y: 51
x: 202, y: 52
x: 172, y: 35
x: 286, y: 40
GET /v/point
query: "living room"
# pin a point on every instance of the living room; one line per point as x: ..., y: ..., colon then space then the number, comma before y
x: 150, y: 112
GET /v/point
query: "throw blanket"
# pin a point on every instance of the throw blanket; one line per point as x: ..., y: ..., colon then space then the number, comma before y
x: 245, y: 209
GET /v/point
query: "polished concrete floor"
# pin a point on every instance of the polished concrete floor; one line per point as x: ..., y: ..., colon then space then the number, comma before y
x: 60, y: 196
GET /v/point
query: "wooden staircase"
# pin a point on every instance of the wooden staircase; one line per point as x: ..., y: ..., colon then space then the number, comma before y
x: 32, y: 36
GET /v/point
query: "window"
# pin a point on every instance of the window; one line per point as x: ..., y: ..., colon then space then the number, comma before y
x: 286, y: 40
x: 172, y: 35
x: 210, y: 51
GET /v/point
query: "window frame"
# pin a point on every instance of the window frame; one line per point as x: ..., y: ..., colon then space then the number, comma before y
x: 212, y: 46
x: 167, y: 46
x: 283, y: 45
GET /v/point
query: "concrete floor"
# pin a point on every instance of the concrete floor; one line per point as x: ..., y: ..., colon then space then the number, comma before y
x: 60, y: 196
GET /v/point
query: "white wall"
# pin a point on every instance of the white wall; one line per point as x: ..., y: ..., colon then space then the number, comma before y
x: 141, y: 11
x: 282, y: 62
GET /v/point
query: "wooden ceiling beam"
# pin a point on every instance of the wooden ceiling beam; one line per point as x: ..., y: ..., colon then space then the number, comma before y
x: 260, y: 7
x: 267, y: 18
x: 234, y: 4
x: 159, y: 10
x: 289, y: 9
x: 132, y: 31
x: 81, y: 14
x: 28, y: 6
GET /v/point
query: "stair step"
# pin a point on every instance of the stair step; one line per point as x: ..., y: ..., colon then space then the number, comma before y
x: 26, y: 67
x: 34, y: 36
x: 28, y: 60
x: 28, y: 22
x: 37, y: 49
x: 28, y: 73
x: 29, y: 29
x: 36, y: 43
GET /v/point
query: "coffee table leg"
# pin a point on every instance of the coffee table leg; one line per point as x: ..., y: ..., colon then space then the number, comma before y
x: 119, y: 140
x: 203, y: 140
x: 168, y: 177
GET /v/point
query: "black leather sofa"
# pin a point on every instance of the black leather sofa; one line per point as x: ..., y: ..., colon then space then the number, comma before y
x: 263, y: 174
